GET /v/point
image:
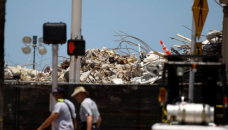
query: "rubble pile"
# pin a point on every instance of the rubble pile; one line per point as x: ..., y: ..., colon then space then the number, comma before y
x: 25, y: 74
x: 211, y: 46
x: 105, y: 66
x: 99, y: 66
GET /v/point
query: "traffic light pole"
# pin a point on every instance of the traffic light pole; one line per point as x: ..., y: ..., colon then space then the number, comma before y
x: 55, y: 48
x: 75, y: 34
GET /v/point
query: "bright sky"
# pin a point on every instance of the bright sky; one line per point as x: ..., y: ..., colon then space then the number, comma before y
x: 149, y: 20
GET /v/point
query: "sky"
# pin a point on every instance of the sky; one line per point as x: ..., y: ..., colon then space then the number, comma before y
x: 148, y: 20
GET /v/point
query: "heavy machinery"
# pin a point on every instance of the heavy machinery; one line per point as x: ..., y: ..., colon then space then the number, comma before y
x: 208, y: 108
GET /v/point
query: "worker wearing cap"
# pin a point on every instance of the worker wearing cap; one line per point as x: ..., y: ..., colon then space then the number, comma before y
x: 63, y: 114
x: 89, y: 114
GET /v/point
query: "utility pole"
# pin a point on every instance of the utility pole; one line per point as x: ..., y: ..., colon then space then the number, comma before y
x: 75, y: 34
x: 2, y: 25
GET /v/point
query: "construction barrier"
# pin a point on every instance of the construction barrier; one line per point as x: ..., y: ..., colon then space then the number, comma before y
x: 122, y: 107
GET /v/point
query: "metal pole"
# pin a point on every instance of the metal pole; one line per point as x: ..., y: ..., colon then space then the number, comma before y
x: 192, y: 74
x: 34, y: 45
x: 75, y: 34
x: 55, y: 48
x: 34, y: 58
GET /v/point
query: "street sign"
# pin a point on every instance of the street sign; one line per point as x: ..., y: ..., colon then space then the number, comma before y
x: 198, y: 48
x: 200, y: 10
x: 76, y: 47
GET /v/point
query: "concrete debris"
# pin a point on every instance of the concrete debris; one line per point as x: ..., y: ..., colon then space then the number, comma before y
x: 100, y: 66
x: 146, y: 79
x: 117, y: 81
x: 106, y: 66
x: 211, y: 46
x: 111, y: 67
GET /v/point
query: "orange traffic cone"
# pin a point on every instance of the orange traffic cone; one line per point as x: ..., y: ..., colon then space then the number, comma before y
x: 165, y: 49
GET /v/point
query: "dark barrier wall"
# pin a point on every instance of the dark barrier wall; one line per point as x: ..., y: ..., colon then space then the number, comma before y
x: 122, y: 107
x: 25, y: 106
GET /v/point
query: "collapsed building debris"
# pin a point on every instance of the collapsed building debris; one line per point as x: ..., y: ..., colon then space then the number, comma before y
x: 103, y: 66
x: 107, y: 66
x: 100, y: 66
x: 211, y: 46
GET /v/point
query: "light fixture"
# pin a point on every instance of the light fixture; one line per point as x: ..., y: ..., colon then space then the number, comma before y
x: 27, y: 40
x: 41, y: 41
x: 26, y: 50
x: 42, y: 50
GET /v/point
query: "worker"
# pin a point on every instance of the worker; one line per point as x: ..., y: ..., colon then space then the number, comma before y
x: 63, y: 115
x: 89, y: 114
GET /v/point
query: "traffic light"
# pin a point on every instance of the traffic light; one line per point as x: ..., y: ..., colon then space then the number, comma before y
x: 76, y: 47
x: 54, y: 33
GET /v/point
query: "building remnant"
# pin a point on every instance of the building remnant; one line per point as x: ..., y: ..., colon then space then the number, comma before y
x: 106, y: 66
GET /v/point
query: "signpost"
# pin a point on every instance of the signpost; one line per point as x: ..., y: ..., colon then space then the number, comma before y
x: 200, y: 11
x: 198, y: 48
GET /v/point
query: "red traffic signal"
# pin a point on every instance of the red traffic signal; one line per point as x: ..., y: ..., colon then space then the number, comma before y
x: 76, y: 47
